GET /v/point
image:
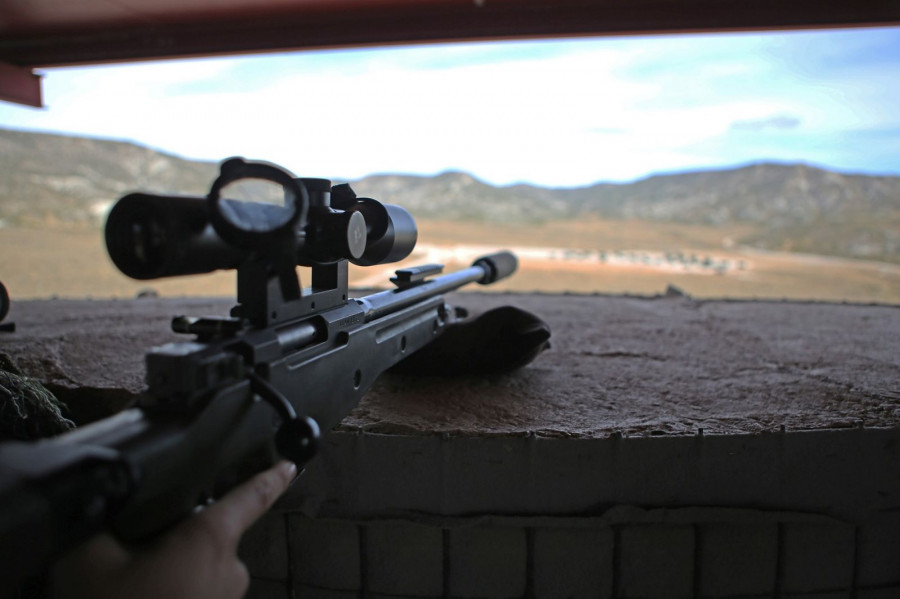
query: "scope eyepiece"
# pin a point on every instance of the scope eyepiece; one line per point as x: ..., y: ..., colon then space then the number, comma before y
x: 391, y: 232
x: 254, y: 225
x: 397, y: 240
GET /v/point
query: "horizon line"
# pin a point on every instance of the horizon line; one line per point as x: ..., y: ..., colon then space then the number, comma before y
x: 650, y: 175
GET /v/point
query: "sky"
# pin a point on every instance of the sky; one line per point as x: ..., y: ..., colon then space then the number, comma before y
x: 554, y: 113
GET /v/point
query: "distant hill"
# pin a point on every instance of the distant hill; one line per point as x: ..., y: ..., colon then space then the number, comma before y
x: 772, y: 194
x: 48, y: 178
x: 794, y: 207
x: 55, y: 178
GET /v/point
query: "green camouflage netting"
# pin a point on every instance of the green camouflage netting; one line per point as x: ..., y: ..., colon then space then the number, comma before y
x: 27, y: 409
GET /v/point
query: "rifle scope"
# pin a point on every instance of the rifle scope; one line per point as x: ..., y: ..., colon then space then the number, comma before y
x: 153, y: 236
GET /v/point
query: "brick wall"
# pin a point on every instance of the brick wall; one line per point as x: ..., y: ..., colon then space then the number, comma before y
x: 627, y: 553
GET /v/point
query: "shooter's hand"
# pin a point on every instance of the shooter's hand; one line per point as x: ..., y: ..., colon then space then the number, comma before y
x: 195, y: 560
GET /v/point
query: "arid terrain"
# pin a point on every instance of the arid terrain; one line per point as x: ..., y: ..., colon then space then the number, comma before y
x: 586, y: 256
x: 763, y: 230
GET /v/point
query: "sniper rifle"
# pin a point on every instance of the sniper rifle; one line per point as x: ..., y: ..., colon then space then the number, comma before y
x: 250, y: 388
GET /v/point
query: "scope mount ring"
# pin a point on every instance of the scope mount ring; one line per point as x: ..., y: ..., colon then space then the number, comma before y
x: 252, y: 225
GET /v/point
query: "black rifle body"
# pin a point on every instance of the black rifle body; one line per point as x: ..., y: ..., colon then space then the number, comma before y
x: 202, y: 428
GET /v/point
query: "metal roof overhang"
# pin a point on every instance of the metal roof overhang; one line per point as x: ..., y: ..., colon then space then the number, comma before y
x: 44, y: 33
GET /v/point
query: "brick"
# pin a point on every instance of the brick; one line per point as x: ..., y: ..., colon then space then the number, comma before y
x: 737, y: 559
x: 303, y: 591
x: 817, y: 556
x: 879, y: 551
x: 267, y: 589
x: 573, y: 562
x: 325, y: 553
x: 882, y: 593
x: 264, y: 547
x: 487, y: 562
x: 404, y: 558
x: 656, y: 561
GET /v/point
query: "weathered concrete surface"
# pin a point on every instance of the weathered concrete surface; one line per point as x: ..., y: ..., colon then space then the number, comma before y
x: 90, y: 353
x: 667, y: 366
x: 633, y: 365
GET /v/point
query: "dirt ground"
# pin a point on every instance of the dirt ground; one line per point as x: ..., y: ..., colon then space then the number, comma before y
x: 582, y: 257
x: 639, y: 366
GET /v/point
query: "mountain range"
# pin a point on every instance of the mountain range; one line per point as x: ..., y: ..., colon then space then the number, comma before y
x: 47, y: 178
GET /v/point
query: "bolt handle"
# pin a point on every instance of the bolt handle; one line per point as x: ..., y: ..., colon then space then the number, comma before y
x: 298, y: 440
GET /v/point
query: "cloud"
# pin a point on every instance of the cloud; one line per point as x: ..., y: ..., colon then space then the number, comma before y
x: 780, y: 122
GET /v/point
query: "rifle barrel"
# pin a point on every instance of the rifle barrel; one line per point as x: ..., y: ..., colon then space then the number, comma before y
x: 485, y: 270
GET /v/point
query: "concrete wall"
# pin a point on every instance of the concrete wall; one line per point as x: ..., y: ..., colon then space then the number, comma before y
x: 809, y: 514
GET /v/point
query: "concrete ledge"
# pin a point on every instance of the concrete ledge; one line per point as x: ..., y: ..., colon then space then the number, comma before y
x: 636, y: 366
x: 663, y: 447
